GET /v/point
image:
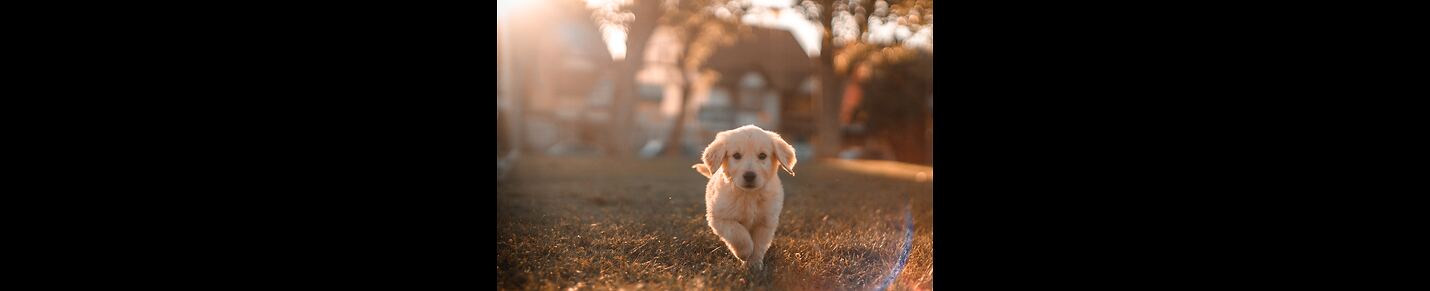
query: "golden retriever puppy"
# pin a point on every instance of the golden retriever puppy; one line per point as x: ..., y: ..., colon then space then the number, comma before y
x: 744, y: 196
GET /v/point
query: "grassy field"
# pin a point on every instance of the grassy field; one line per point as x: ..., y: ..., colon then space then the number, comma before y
x: 593, y: 223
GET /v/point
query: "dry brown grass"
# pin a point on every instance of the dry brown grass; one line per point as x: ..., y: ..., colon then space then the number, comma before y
x: 591, y: 223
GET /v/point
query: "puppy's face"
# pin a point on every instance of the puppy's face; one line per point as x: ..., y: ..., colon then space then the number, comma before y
x: 749, y: 155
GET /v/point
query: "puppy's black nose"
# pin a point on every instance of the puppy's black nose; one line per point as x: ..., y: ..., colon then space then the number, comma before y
x: 749, y: 177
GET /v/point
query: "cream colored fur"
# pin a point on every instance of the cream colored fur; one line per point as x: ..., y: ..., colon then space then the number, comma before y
x: 745, y: 213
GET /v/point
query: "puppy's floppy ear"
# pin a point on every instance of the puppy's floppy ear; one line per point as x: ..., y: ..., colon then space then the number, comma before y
x: 783, y: 152
x: 714, y: 154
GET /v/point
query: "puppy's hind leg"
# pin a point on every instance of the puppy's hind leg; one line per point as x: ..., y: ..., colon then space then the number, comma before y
x: 736, y: 237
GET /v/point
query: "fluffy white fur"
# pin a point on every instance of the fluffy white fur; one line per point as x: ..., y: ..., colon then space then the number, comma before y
x: 745, y: 212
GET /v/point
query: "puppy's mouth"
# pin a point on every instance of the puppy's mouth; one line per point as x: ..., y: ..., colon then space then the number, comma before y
x: 747, y: 186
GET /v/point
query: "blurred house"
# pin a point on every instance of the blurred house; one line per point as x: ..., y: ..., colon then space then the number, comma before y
x: 765, y: 78
x: 560, y: 70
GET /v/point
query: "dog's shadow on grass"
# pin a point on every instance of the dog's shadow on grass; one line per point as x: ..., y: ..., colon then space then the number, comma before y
x: 763, y: 277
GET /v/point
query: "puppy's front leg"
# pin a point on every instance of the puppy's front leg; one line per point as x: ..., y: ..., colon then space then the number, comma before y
x: 735, y: 236
x: 763, y: 235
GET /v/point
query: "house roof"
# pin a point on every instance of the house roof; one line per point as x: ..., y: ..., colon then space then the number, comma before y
x: 772, y: 52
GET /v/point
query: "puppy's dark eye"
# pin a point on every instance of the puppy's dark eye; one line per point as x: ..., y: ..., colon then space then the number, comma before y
x: 737, y: 156
x: 762, y: 156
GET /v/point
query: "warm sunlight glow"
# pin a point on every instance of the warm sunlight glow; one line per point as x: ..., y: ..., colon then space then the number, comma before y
x: 606, y: 3
x: 615, y: 38
x: 505, y: 8
x: 806, y: 33
x: 891, y: 169
x: 772, y: 3
x: 613, y: 33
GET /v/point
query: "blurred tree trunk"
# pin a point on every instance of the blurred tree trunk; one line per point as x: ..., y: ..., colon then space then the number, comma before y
x: 685, y: 65
x: 517, y: 80
x: 673, y: 146
x: 647, y: 13
x: 826, y: 105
